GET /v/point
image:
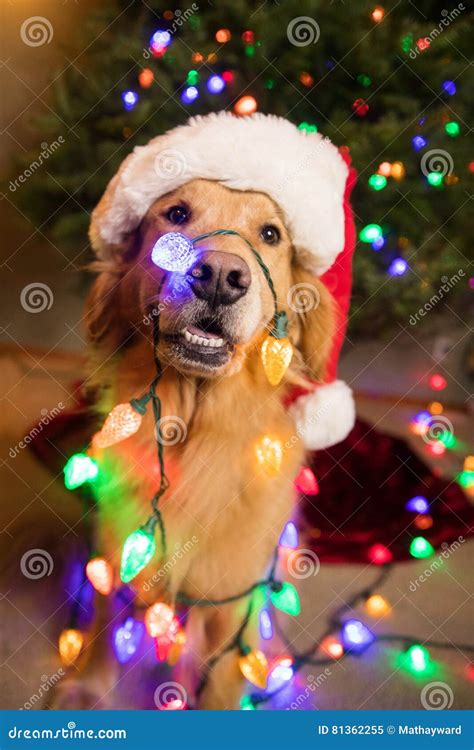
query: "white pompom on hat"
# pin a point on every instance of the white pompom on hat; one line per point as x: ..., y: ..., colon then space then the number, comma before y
x: 304, y: 173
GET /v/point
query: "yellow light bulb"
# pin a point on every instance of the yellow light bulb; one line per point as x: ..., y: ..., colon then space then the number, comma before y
x: 469, y: 463
x: 377, y: 606
x: 70, y: 645
x: 254, y: 667
x: 100, y: 573
x: 269, y: 451
x: 276, y: 358
x: 398, y: 170
x: 435, y: 407
x: 122, y: 422
x: 176, y: 648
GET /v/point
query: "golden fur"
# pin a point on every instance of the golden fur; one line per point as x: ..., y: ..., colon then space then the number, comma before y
x: 219, y: 496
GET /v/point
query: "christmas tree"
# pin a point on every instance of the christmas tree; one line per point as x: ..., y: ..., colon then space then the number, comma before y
x: 388, y: 83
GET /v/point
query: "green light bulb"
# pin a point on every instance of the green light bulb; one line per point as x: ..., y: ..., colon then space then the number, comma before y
x: 364, y: 80
x: 286, y: 599
x: 466, y: 478
x: 79, y: 469
x: 435, y: 178
x: 308, y: 127
x: 246, y: 703
x: 448, y: 439
x: 370, y: 233
x: 192, y: 78
x: 418, y: 658
x: 452, y: 129
x: 420, y: 547
x: 137, y: 552
x: 377, y: 181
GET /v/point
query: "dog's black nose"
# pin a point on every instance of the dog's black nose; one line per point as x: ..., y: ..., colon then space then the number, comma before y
x: 220, y: 278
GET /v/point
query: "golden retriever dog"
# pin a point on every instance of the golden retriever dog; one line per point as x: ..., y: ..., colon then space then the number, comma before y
x: 219, y: 495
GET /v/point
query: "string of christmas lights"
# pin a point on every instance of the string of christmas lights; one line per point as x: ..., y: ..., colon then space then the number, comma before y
x: 176, y: 253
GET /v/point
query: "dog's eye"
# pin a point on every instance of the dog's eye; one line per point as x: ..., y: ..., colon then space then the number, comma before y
x: 177, y: 214
x: 270, y: 234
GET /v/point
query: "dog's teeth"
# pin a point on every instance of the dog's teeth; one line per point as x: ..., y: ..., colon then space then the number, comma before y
x: 202, y: 340
x: 194, y: 339
x: 216, y: 343
x: 187, y: 335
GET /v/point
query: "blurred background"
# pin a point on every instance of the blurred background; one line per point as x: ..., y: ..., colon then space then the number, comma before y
x: 390, y: 83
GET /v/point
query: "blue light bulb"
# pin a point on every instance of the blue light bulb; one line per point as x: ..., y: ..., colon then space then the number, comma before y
x: 418, y: 142
x: 189, y: 94
x: 397, y: 267
x: 418, y: 504
x: 356, y: 636
x: 174, y: 252
x: 129, y: 98
x: 289, y: 536
x: 215, y: 84
x: 160, y: 39
x: 127, y: 639
x: 449, y: 87
x: 280, y: 675
x: 378, y: 243
x: 266, y: 627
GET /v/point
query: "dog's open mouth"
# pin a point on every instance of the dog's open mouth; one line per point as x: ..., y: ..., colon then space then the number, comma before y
x: 202, y: 343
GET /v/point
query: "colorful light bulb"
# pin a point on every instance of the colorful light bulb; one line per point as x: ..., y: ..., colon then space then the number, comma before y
x: 160, y: 39
x: 398, y: 170
x: 280, y: 675
x: 122, y: 422
x: 265, y: 623
x: 438, y: 382
x: 254, y: 667
x: 80, y: 469
x: 385, y: 168
x: 435, y: 179
x: 378, y: 243
x: 423, y: 522
x: 435, y: 408
x: 276, y: 358
x: 130, y: 99
x: 269, y: 452
x: 246, y: 703
x: 377, y: 182
x: 177, y: 704
x: 159, y: 620
x: 286, y: 599
x: 306, y: 483
x: 127, y: 639
x: 137, y: 552
x: 289, y: 536
x: 246, y: 105
x: 146, y: 78
x: 174, y: 252
x: 452, y: 129
x: 100, y: 573
x: 164, y: 641
x: 176, y: 648
x: 417, y: 659
x: 437, y: 448
x: 379, y: 554
x: 468, y: 464
x: 370, y: 233
x: 223, y: 36
x: 332, y: 647
x: 70, y: 645
x: 189, y: 95
x: 449, y: 87
x: 417, y: 504
x: 215, y: 84
x: 421, y: 548
x: 418, y: 142
x: 377, y: 606
x: 356, y: 636
x: 397, y: 267
x: 377, y: 14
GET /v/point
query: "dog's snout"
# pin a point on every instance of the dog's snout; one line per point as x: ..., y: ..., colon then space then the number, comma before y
x: 220, y: 278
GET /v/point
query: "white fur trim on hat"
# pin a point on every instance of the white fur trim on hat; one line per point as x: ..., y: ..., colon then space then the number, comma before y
x: 325, y: 416
x: 303, y: 173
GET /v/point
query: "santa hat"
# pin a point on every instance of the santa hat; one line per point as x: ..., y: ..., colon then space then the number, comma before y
x: 304, y: 173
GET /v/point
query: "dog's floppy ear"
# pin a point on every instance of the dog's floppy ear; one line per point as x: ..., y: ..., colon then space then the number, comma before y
x: 313, y: 313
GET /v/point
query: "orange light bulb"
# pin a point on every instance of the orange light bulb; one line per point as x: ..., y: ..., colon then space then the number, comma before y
x: 100, y: 573
x: 246, y: 105
x: 332, y: 647
x: 276, y: 358
x: 159, y: 620
x: 70, y: 645
x: 378, y: 14
x: 122, y: 422
x: 398, y: 170
x: 377, y: 606
x: 254, y: 667
x: 223, y: 36
x: 146, y: 78
x: 177, y: 647
x: 269, y: 452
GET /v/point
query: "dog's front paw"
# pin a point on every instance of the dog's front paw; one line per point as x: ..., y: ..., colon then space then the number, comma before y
x: 73, y: 695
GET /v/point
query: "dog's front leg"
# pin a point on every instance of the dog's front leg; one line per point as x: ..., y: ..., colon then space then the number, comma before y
x: 90, y: 682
